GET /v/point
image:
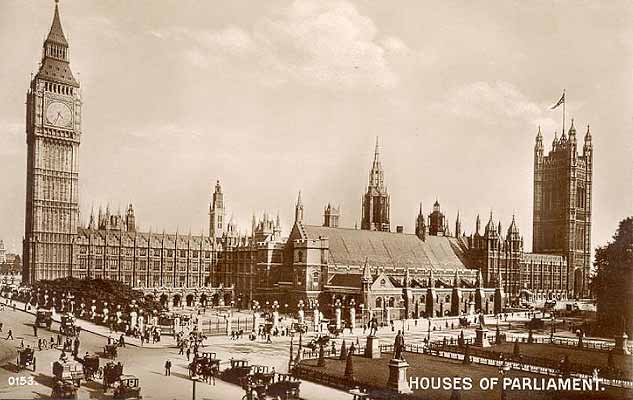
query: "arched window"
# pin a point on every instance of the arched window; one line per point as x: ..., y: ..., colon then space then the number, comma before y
x: 300, y: 256
x: 392, y: 302
x: 378, y: 302
x: 447, y: 299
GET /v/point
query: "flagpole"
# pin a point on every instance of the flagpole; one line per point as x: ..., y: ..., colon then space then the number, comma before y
x: 564, y: 101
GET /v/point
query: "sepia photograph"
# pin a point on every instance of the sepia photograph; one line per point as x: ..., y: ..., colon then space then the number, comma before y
x: 316, y: 199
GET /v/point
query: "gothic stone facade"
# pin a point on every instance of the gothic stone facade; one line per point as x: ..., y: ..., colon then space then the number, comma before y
x: 562, y: 204
x: 53, y: 134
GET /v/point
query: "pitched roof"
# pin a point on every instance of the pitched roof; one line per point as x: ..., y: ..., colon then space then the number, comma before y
x: 56, y: 34
x: 387, y: 249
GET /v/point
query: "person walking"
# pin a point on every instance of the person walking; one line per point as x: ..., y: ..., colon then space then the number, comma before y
x: 10, y: 335
x: 35, y: 330
x: 39, y: 344
x: 168, y: 368
x: 188, y: 353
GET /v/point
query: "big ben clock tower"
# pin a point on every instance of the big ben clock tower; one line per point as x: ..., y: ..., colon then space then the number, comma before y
x: 53, y: 131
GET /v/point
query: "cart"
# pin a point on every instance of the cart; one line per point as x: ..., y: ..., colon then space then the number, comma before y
x: 111, y: 373
x: 127, y: 388
x: 110, y: 351
x: 26, y: 359
x: 91, y: 367
x: 68, y: 371
x: 64, y: 389
x: 44, y: 317
x: 67, y: 326
x: 239, y: 369
x: 284, y: 386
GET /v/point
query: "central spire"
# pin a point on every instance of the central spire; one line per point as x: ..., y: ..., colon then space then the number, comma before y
x: 376, y: 175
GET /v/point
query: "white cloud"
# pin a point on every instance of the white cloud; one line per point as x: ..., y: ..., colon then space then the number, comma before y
x: 312, y: 42
x: 494, y: 103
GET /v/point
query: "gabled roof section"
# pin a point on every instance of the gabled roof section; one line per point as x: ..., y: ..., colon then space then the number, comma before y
x: 354, y: 247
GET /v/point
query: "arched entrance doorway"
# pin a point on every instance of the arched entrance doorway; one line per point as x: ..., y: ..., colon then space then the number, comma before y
x: 190, y: 300
x: 163, y: 300
x: 177, y: 300
x: 203, y: 300
x: 215, y: 299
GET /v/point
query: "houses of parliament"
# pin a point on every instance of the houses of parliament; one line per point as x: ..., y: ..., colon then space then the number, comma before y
x: 430, y: 272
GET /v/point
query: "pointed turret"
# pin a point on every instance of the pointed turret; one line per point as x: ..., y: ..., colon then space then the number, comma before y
x: 431, y: 279
x: 366, y: 278
x: 588, y: 145
x: 458, y: 226
x: 407, y: 278
x: 92, y: 225
x: 477, y: 225
x: 555, y: 141
x: 572, y: 132
x: 490, y: 230
x: 456, y: 281
x: 420, y: 225
x: 299, y: 209
x: 513, y: 230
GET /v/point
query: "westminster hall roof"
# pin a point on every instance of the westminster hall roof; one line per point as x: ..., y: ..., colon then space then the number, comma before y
x: 353, y: 247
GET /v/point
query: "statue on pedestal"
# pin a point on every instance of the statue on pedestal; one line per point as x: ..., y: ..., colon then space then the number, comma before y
x: 398, y: 346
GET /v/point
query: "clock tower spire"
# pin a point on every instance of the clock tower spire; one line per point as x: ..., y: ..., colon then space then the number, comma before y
x: 53, y: 132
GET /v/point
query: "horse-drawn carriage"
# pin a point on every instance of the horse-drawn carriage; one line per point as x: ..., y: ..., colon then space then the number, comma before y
x: 67, y: 326
x: 26, y: 359
x: 297, y: 327
x: 91, y: 367
x: 64, y: 390
x: 68, y: 371
x: 536, y: 323
x: 204, y: 365
x: 110, y: 351
x: 333, y: 329
x: 284, y: 386
x: 44, y: 317
x: 238, y: 370
x: 112, y: 373
x: 127, y: 387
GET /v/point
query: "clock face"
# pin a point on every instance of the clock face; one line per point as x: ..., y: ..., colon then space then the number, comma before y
x: 59, y: 114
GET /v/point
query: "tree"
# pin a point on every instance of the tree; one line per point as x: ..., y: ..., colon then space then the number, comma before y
x: 612, y: 283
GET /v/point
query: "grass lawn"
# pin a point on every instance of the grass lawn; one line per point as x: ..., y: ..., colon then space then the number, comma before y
x: 556, y: 353
x: 376, y: 372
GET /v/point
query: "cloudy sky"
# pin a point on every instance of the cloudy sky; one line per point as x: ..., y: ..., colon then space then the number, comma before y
x: 273, y: 97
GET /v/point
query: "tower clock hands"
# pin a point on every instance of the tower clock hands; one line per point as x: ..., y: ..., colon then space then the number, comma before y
x: 59, y: 115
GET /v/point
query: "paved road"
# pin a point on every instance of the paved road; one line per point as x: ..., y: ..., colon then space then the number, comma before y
x: 147, y: 364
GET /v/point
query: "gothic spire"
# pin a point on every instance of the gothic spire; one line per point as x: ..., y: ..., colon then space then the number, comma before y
x: 299, y: 209
x: 477, y: 225
x: 376, y: 175
x: 56, y: 34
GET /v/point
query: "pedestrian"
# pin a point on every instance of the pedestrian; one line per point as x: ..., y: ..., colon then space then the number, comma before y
x: 268, y: 339
x: 10, y: 335
x: 59, y: 339
x: 52, y: 342
x: 35, y: 330
x: 188, y: 353
x: 1, y: 324
x: 182, y: 349
x: 168, y: 368
x: 39, y: 344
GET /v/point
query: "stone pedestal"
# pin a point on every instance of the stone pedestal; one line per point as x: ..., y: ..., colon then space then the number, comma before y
x: 301, y: 316
x: 337, y: 313
x: 398, y: 376
x: 372, y: 349
x: 133, y: 319
x: 621, y: 343
x: 275, y: 318
x: 481, y: 338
